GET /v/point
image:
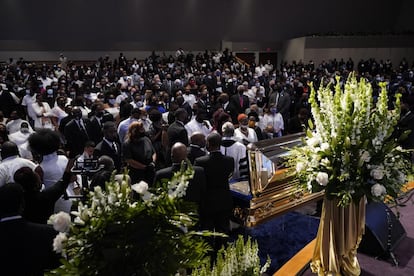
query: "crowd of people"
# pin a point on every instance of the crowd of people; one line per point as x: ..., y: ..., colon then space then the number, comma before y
x: 151, y: 115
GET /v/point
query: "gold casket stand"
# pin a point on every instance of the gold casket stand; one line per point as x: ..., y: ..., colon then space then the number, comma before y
x: 271, y: 190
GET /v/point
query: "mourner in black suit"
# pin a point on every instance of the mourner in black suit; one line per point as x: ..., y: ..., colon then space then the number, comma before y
x: 109, y: 145
x: 77, y: 133
x: 238, y: 103
x: 196, y: 147
x: 197, y: 186
x: 218, y: 169
x: 26, y: 247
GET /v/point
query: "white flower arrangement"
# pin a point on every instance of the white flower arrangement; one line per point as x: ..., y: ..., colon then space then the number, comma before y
x: 349, y: 151
x: 117, y: 232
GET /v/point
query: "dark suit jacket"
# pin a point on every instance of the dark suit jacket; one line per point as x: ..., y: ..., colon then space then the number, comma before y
x: 102, y: 148
x: 76, y: 138
x: 177, y: 133
x: 193, y: 152
x: 196, y: 187
x: 235, y: 107
x: 218, y: 169
x: 95, y: 130
x: 26, y: 248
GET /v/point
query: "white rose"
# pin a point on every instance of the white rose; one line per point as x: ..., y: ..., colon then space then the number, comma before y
x: 140, y: 187
x: 300, y: 166
x: 322, y: 178
x: 325, y: 146
x: 378, y: 190
x: 377, y: 174
x: 61, y: 221
x: 58, y: 242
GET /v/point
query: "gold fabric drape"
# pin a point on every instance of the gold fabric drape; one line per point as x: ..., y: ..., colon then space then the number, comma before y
x: 339, y: 234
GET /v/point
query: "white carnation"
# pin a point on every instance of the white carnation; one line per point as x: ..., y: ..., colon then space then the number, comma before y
x: 322, y: 178
x: 141, y: 187
x: 378, y: 190
x: 300, y: 166
x: 60, y: 221
x: 58, y: 242
x: 377, y: 173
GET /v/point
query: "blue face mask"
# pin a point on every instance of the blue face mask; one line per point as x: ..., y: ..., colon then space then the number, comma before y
x: 273, y: 110
x: 112, y: 101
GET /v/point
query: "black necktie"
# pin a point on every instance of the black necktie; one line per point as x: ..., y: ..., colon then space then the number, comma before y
x: 83, y: 129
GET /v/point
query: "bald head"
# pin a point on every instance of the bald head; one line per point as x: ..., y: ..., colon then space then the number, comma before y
x: 178, y: 152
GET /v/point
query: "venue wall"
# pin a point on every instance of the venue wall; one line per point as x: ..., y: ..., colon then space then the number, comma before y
x: 306, y: 49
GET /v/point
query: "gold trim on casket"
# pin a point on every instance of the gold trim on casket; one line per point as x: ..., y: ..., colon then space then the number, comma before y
x: 272, y: 191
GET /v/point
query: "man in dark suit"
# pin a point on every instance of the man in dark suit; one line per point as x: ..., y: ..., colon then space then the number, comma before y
x: 196, y: 147
x: 98, y: 118
x: 26, y: 247
x: 218, y: 169
x: 109, y: 145
x: 176, y: 131
x: 238, y: 103
x: 77, y: 133
x: 197, y: 186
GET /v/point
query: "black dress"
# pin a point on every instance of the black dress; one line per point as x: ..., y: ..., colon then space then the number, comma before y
x: 140, y: 150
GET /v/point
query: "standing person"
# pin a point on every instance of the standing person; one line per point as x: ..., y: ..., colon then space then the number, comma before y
x: 197, y: 185
x: 273, y: 124
x: 244, y: 133
x: 197, y: 146
x: 76, y: 133
x: 26, y: 247
x: 218, y: 200
x: 43, y: 114
x: 7, y: 102
x: 233, y: 148
x: 124, y: 125
x: 139, y: 154
x: 109, y: 146
x: 45, y: 143
x: 177, y: 132
x: 238, y: 103
x: 11, y: 162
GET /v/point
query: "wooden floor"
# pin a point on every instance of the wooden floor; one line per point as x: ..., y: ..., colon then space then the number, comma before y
x: 299, y: 262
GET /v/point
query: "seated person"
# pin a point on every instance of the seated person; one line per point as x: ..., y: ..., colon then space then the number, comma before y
x: 26, y: 247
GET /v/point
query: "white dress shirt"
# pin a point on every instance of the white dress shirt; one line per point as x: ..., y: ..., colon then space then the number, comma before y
x: 10, y: 165
x: 194, y: 126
